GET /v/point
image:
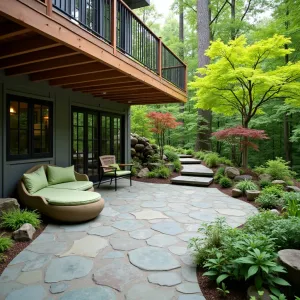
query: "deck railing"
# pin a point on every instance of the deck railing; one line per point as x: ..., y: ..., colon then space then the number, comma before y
x: 114, y: 22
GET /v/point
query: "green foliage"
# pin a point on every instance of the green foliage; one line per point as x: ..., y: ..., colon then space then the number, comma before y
x: 154, y: 158
x: 190, y: 152
x: 219, y: 174
x: 268, y: 200
x: 14, y: 219
x: 293, y: 208
x: 211, y: 159
x: 139, y: 121
x: 152, y: 174
x: 276, y: 190
x: 278, y: 169
x: 264, y: 183
x: 161, y: 172
x: 225, y: 161
x: 177, y: 165
x: 200, y: 155
x: 246, y: 185
x: 286, y: 196
x: 171, y: 155
x: 223, y: 290
x: 225, y: 182
x: 5, y: 243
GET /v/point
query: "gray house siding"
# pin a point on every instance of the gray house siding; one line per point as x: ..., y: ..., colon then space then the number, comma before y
x: 63, y: 100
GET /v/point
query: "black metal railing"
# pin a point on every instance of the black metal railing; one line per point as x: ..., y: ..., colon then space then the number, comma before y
x: 94, y: 15
x: 135, y: 39
x: 173, y: 69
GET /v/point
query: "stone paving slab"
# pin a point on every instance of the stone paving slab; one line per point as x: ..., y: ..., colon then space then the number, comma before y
x: 197, y: 170
x: 185, y: 161
x: 185, y: 156
x: 192, y: 180
x: 144, y: 230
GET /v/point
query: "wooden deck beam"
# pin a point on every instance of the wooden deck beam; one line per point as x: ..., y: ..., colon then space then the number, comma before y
x: 10, y: 29
x: 127, y: 87
x: 87, y: 67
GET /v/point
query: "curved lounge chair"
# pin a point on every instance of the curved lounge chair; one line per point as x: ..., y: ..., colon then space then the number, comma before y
x: 63, y: 212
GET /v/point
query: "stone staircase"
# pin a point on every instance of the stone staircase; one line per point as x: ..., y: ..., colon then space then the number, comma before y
x: 193, y: 173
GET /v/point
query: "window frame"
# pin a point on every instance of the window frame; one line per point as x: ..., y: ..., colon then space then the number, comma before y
x: 31, y: 102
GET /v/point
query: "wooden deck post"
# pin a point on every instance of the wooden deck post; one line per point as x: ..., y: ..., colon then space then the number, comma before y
x: 185, y: 78
x: 159, y: 57
x: 49, y: 7
x: 114, y: 25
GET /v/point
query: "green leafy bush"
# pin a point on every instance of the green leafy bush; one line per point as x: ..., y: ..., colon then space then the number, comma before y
x: 276, y: 190
x: 152, y: 174
x: 200, y: 155
x: 292, y: 208
x: 225, y: 182
x: 287, y: 196
x: 171, y: 148
x: 211, y: 159
x: 190, y: 152
x: 278, y: 169
x: 161, y: 172
x: 265, y: 183
x: 14, y: 219
x: 154, y: 158
x: 246, y: 185
x: 177, y: 165
x: 225, y: 161
x: 268, y: 200
x: 219, y: 174
x: 5, y: 243
x: 171, y: 155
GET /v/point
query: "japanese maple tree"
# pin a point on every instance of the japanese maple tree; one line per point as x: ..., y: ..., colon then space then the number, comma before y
x: 242, y: 137
x: 161, y: 122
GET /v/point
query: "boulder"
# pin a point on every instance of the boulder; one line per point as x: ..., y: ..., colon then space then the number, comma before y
x: 232, y: 172
x: 133, y: 152
x: 252, y: 195
x: 153, y: 146
x: 133, y: 141
x: 170, y: 166
x: 139, y: 147
x: 8, y: 204
x: 290, y: 259
x: 143, y: 173
x: 24, y: 233
x: 279, y: 182
x: 275, y: 211
x: 252, y: 292
x: 292, y: 188
x: 243, y: 177
x: 236, y: 193
x: 165, y: 157
x: 265, y: 177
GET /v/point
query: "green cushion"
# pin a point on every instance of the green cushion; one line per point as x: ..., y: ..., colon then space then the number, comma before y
x: 35, y: 181
x: 115, y: 166
x: 63, y: 197
x: 119, y: 173
x: 58, y: 175
x: 75, y: 185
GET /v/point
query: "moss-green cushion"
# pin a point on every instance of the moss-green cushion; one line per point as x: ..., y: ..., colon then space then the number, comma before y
x: 35, y: 181
x: 119, y: 173
x: 58, y: 175
x: 75, y: 185
x: 115, y: 166
x: 63, y: 197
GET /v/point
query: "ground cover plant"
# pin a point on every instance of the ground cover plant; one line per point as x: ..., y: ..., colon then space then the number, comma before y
x: 14, y: 219
x: 160, y: 172
x: 245, y: 185
x: 225, y: 182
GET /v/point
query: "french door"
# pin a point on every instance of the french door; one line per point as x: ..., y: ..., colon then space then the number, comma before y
x: 94, y: 134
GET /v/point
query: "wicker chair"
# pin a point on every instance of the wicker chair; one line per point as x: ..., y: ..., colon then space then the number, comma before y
x: 106, y: 170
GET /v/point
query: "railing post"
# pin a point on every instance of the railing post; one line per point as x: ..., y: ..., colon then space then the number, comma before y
x: 185, y: 78
x: 159, y: 57
x: 49, y: 7
x: 114, y: 25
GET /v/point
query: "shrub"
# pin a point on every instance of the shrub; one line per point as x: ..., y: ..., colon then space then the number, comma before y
x: 276, y: 190
x: 246, y: 185
x: 171, y: 155
x: 211, y: 159
x: 219, y: 174
x: 200, y: 155
x: 291, y: 203
x: 190, y: 152
x: 225, y: 182
x: 287, y: 196
x: 264, y: 183
x: 268, y: 200
x: 225, y: 161
x: 152, y: 174
x: 14, y: 219
x: 170, y: 148
x: 154, y: 158
x: 5, y: 243
x: 161, y: 172
x: 177, y: 165
x: 278, y: 169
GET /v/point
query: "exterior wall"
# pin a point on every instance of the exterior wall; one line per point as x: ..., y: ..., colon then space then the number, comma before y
x: 63, y: 99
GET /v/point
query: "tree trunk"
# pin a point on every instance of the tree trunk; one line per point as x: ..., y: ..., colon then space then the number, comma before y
x: 245, y: 147
x: 204, y: 117
x: 181, y: 55
x: 232, y: 18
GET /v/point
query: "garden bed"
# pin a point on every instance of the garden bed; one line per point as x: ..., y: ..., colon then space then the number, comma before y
x: 156, y: 180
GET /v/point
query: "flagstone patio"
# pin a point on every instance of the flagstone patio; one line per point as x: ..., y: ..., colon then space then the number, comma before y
x: 135, y: 250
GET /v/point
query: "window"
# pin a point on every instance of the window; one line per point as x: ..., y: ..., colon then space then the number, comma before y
x: 29, y: 128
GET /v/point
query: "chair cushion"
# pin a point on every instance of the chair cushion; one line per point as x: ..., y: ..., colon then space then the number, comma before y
x: 119, y: 173
x: 64, y: 197
x: 35, y: 181
x: 58, y: 175
x: 115, y: 166
x: 75, y: 185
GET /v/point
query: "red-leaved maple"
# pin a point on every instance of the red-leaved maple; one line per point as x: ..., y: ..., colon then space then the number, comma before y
x: 161, y: 122
x: 240, y: 136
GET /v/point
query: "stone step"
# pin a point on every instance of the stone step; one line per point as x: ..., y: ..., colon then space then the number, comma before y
x: 190, y: 161
x: 185, y: 156
x: 196, y: 170
x: 191, y: 180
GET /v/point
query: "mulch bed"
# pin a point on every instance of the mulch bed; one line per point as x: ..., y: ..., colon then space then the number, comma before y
x: 17, y: 246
